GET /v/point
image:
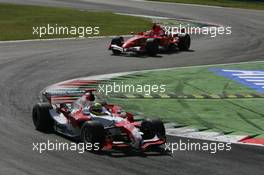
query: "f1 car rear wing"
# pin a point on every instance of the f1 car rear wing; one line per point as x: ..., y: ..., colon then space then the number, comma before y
x: 59, y: 99
x: 63, y: 96
x: 68, y: 91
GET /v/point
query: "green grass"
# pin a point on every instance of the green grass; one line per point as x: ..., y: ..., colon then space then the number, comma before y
x: 247, y: 4
x: 17, y: 21
x: 236, y: 115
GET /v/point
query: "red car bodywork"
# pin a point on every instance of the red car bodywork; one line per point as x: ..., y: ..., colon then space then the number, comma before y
x: 150, y: 42
x: 140, y: 40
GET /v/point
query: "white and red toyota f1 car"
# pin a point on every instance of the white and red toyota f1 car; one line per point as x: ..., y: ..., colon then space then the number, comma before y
x: 95, y: 122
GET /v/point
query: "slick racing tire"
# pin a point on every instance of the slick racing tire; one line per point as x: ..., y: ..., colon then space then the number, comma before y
x: 152, y: 46
x: 92, y: 132
x: 41, y: 117
x: 184, y: 42
x: 159, y: 128
x: 117, y: 41
x: 147, y: 129
x: 152, y: 127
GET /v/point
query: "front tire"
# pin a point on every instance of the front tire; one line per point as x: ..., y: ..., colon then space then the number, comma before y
x: 159, y: 128
x: 152, y: 46
x: 119, y: 42
x: 41, y: 117
x: 152, y: 127
x: 92, y: 132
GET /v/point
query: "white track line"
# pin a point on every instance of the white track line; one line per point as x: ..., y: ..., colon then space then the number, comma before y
x: 61, y: 39
x: 195, y: 5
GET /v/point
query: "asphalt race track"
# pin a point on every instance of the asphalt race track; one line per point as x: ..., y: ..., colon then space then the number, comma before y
x: 27, y: 67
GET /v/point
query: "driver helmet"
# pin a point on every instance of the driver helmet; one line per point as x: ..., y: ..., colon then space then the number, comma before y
x: 97, y: 108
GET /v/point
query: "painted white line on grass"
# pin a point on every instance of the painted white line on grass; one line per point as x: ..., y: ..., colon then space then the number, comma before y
x: 248, y: 74
x: 241, y: 77
x: 250, y: 80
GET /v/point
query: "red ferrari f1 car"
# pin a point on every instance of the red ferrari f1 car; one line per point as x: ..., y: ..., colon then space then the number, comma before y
x: 93, y: 121
x: 151, y: 42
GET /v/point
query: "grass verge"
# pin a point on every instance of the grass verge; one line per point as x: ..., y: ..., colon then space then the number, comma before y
x: 247, y: 4
x: 227, y: 115
x: 17, y: 21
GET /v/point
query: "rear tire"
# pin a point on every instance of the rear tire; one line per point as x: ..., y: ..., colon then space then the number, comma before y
x: 152, y: 46
x: 184, y: 42
x: 92, y: 132
x: 41, y: 117
x: 119, y: 42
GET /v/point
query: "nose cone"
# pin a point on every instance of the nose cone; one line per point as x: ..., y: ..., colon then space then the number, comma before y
x: 132, y: 42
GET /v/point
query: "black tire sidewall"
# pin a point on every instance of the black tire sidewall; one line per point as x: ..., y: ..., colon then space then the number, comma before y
x: 185, y: 42
x: 41, y: 117
x: 147, y: 129
x: 96, y: 132
x: 119, y: 42
x: 159, y: 127
x: 152, y: 127
x: 152, y: 46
